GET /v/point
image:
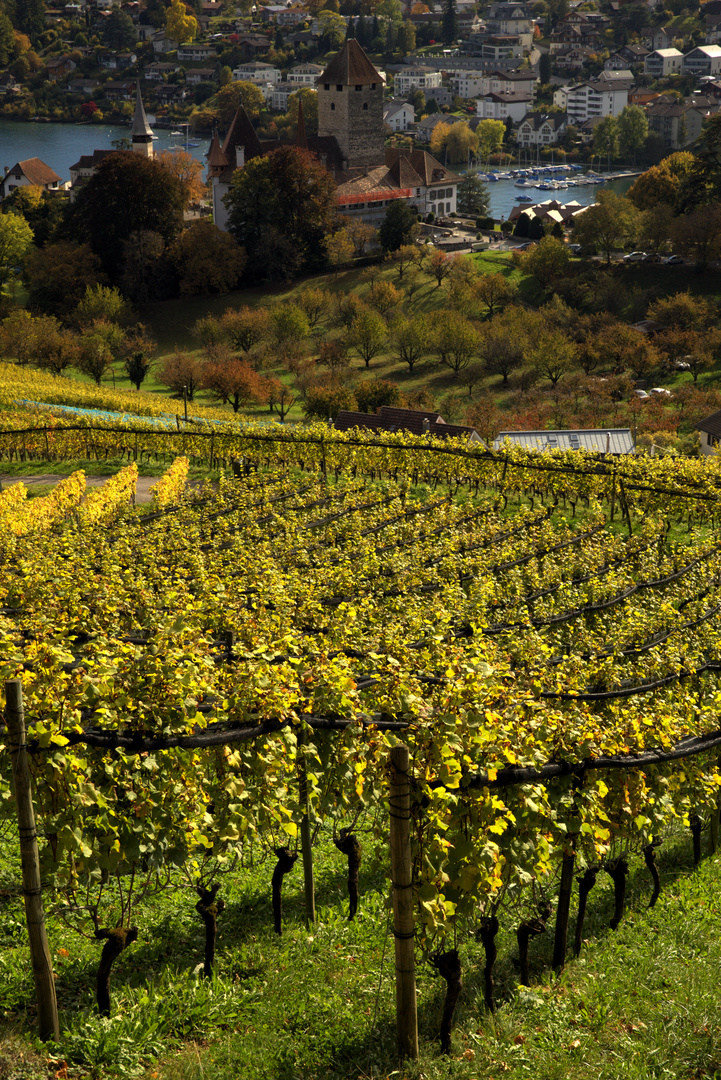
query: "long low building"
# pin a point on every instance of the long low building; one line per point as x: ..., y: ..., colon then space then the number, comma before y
x: 594, y: 440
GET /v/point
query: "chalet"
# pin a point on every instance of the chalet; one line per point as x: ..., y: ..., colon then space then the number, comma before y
x: 501, y: 106
x: 31, y: 172
x: 58, y: 66
x: 196, y: 53
x: 159, y: 71
x: 710, y: 430
x: 398, y: 114
x: 538, y: 129
x: 196, y: 76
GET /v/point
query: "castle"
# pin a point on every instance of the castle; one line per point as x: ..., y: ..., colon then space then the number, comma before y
x: 350, y: 145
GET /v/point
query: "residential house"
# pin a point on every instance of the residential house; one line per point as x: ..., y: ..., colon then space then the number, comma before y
x: 633, y: 55
x: 257, y: 73
x: 56, y: 67
x: 677, y: 122
x: 29, y: 173
x: 565, y: 35
x: 501, y: 106
x: 703, y: 60
x: 414, y: 421
x: 112, y: 61
x: 572, y: 58
x: 502, y: 47
x: 196, y: 76
x: 305, y: 74
x: 661, y: 63
x: 252, y: 44
x: 537, y: 129
x: 9, y: 84
x: 399, y: 115
x: 504, y: 18
x: 424, y: 128
x: 196, y: 53
x: 409, y: 80
x: 471, y: 84
x: 171, y: 94
x: 662, y: 37
x: 162, y: 43
x: 115, y: 90
x: 710, y: 430
x: 594, y: 98
x: 81, y: 85
x: 279, y: 94
x: 159, y: 71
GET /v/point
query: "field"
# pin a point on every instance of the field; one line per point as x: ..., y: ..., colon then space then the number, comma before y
x: 220, y: 681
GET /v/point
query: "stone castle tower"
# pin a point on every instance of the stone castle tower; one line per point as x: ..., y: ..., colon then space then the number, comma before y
x: 350, y: 106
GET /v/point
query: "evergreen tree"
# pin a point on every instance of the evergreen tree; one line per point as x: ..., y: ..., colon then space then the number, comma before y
x: 376, y: 28
x: 449, y: 27
x: 30, y: 18
x: 544, y: 67
x: 350, y: 32
x: 278, y: 42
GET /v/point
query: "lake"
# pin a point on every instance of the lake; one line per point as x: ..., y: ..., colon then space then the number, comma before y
x: 61, y: 145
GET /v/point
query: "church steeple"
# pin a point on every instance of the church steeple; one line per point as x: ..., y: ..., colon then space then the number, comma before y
x: 142, y: 131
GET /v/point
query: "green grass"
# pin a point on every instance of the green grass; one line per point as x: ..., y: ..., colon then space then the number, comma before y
x: 640, y: 1003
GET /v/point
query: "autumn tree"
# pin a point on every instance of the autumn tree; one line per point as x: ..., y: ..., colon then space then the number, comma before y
x: 552, y: 354
x: 494, y: 291
x: 97, y: 347
x: 372, y: 394
x: 461, y: 142
x: 316, y: 304
x: 180, y: 25
x: 360, y: 232
x: 183, y: 373
x: 367, y: 334
x: 504, y: 342
x: 325, y: 402
x: 440, y: 266
x: 206, y: 259
x: 439, y: 137
x: 229, y: 98
x: 454, y: 340
x: 403, y: 257
x: 245, y: 327
x: 281, y: 208
x: 280, y: 397
x: 697, y: 234
x: 288, y: 327
x: 230, y: 379
x: 412, y: 339
x: 58, y: 276
x: 684, y: 311
x: 695, y: 348
x: 384, y: 296
x: 547, y: 261
x: 607, y: 224
x: 102, y: 302
x: 655, y: 227
x: 662, y: 183
x: 16, y: 240
x: 490, y: 135
x: 187, y: 170
x: 339, y: 248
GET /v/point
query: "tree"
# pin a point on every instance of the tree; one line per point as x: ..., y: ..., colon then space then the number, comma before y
x: 655, y: 226
x: 118, y: 31
x: 102, y: 302
x: 399, y: 226
x: 703, y: 185
x: 697, y: 234
x: 310, y: 110
x: 461, y: 142
x: 230, y: 379
x: 632, y: 131
x: 440, y: 266
x: 367, y: 334
x: 280, y: 397
x: 7, y: 40
x: 145, y: 273
x: 455, y: 340
x: 29, y: 18
x: 504, y: 342
x: 663, y: 183
x: 207, y: 260
x: 449, y: 25
x: 695, y: 348
x: 281, y: 208
x: 16, y: 240
x: 544, y: 68
x: 383, y: 295
x: 183, y: 373
x: 183, y: 167
x: 98, y: 345
x: 439, y: 137
x: 315, y: 303
x: 605, y: 137
x: 372, y: 394
x: 494, y: 291
x: 606, y: 224
x: 339, y: 248
x: 473, y: 199
x: 179, y: 24
x: 552, y: 354
x: 332, y: 30
x: 245, y: 327
x: 325, y: 402
x: 360, y: 232
x: 684, y: 311
x: 548, y: 261
x: 126, y: 194
x: 412, y: 339
x: 288, y: 327
x: 407, y: 38
x: 58, y: 276
x: 490, y: 134
x: 229, y: 98
x: 137, y: 367
x: 403, y: 257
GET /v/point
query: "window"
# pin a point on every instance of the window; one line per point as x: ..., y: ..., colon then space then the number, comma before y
x: 432, y: 196
x: 359, y: 87
x: 339, y: 88
x: 326, y: 86
x: 365, y: 105
x: 373, y: 86
x: 332, y: 106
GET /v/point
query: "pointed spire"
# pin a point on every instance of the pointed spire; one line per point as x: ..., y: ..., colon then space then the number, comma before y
x: 142, y: 131
x: 301, y: 139
x: 216, y: 158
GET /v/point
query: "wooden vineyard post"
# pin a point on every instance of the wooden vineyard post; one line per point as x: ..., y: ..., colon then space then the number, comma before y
x: 714, y: 822
x: 402, y: 892
x: 32, y: 889
x: 305, y: 834
x: 563, y: 911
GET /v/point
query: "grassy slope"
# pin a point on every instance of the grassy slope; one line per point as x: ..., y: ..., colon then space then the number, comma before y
x: 640, y: 1003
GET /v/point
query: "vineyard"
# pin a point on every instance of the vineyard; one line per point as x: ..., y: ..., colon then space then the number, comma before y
x: 229, y: 673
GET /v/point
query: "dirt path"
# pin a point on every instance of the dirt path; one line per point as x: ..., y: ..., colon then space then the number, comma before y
x: 142, y: 491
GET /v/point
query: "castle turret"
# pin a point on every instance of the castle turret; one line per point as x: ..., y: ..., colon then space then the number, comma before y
x: 142, y: 131
x: 350, y: 106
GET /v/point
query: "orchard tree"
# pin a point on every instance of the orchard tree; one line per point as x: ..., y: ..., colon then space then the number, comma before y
x: 548, y: 261
x: 207, y: 260
x: 552, y: 354
x: 183, y: 373
x: 325, y: 402
x: 98, y: 346
x: 281, y: 208
x: 504, y: 342
x: 339, y: 248
x: 412, y: 339
x: 454, y: 340
x: 246, y: 327
x: 16, y: 240
x: 494, y: 291
x: 315, y: 304
x: 373, y: 394
x: 102, y: 302
x: 230, y: 379
x: 126, y: 194
x: 367, y: 334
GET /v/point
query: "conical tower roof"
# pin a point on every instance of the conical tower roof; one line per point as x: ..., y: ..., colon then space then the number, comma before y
x: 350, y: 67
x: 242, y: 133
x: 142, y: 130
x: 216, y: 157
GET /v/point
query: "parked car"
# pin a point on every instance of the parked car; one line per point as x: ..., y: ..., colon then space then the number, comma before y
x: 635, y: 256
x: 673, y: 260
x: 680, y: 365
x: 653, y: 257
x: 642, y: 395
x: 661, y: 391
x: 574, y: 249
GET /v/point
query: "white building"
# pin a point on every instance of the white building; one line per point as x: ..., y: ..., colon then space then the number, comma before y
x: 589, y: 99
x: 661, y: 63
x: 470, y: 84
x: 304, y: 74
x: 415, y: 78
x: 501, y: 106
x: 398, y: 115
x: 703, y: 60
x: 536, y: 129
x: 256, y: 73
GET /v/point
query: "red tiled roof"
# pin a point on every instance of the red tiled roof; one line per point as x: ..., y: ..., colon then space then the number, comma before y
x: 37, y: 172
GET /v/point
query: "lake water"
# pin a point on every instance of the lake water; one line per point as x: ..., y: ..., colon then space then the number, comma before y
x: 61, y: 145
